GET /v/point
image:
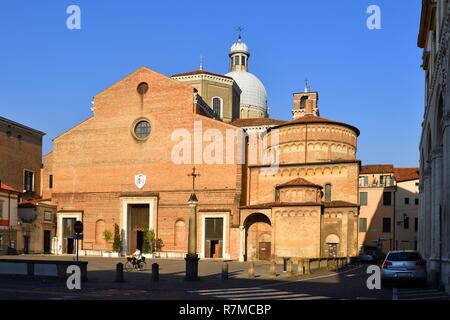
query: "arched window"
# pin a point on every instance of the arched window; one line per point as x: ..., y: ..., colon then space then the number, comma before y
x: 100, y: 228
x: 327, y: 192
x: 303, y: 102
x: 243, y: 60
x: 217, y: 106
x: 236, y: 60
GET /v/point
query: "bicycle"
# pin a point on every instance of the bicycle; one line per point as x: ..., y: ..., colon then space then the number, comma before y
x: 131, y: 264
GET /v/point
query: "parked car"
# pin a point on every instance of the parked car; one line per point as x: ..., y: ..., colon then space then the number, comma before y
x: 370, y: 255
x: 405, y: 266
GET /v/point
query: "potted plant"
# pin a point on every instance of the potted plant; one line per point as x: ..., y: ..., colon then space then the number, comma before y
x: 107, y: 236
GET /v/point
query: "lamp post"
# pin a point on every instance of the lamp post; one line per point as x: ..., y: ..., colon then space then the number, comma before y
x: 192, y: 257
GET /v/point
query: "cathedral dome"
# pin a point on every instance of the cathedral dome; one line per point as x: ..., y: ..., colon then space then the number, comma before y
x: 254, y: 95
x: 253, y: 91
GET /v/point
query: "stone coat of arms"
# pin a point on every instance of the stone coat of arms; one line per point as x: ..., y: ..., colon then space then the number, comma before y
x: 140, y: 180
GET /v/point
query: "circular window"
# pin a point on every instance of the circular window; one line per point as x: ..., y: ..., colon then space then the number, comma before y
x: 142, y: 88
x: 141, y: 129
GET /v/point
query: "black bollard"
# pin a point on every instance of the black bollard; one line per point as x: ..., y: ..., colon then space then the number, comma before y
x: 155, y: 271
x: 224, y: 271
x: 119, y: 272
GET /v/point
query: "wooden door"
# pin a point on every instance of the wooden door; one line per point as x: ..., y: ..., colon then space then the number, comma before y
x: 264, y: 251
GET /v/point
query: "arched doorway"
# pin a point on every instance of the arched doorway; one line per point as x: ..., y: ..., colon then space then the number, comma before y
x: 258, y: 237
x: 332, y: 245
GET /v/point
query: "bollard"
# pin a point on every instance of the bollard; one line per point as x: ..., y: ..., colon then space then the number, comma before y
x: 307, y: 266
x: 119, y: 272
x: 300, y: 267
x: 289, y: 266
x: 155, y: 272
x: 251, y: 269
x: 224, y: 271
x: 295, y: 268
x: 273, y: 268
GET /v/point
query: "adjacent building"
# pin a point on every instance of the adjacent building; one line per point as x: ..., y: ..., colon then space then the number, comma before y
x: 20, y: 180
x: 389, y: 201
x: 377, y: 201
x: 406, y: 208
x: 434, y: 217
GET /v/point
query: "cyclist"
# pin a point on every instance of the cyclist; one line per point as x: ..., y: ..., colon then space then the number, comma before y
x: 137, y: 258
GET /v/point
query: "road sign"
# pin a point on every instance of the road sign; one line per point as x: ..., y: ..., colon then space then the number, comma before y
x: 78, y: 236
x: 78, y: 227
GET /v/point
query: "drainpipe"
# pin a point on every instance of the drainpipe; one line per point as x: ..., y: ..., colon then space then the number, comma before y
x: 440, y: 248
x: 394, y: 223
x: 9, y: 219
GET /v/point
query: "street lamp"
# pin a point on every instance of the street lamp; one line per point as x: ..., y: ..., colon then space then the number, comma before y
x: 192, y: 257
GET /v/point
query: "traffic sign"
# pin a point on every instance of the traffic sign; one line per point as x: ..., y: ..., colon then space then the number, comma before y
x: 78, y: 227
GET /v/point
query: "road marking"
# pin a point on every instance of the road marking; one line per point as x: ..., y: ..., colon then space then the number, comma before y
x: 211, y: 291
x: 308, y: 279
x: 255, y: 293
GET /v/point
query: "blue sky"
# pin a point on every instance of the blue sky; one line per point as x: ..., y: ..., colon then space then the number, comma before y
x: 368, y: 78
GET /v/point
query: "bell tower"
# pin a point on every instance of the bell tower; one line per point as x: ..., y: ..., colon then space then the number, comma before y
x: 306, y: 103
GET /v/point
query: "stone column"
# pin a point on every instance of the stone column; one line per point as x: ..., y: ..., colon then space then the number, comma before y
x: 446, y: 184
x: 241, y: 243
x: 192, y: 257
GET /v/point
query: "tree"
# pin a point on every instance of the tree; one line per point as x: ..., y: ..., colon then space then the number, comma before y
x: 107, y: 235
x: 151, y: 243
x: 117, y: 241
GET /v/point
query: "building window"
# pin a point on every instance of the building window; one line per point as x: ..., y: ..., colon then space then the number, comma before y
x: 1, y: 209
x: 386, y: 225
x: 303, y: 102
x: 386, y: 181
x: 416, y: 224
x: 48, y: 216
x: 28, y: 181
x: 416, y: 201
x: 362, y: 224
x: 236, y: 60
x: 217, y: 106
x: 50, y: 181
x: 363, y: 198
x: 243, y: 60
x: 141, y: 129
x: 363, y: 181
x: 328, y: 192
x: 387, y: 198
x: 406, y: 200
x: 405, y: 221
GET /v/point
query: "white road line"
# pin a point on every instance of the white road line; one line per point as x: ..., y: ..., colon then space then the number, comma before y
x: 429, y: 298
x: 232, y: 295
x: 311, y: 298
x: 228, y: 289
x: 279, y: 297
x: 308, y: 279
x: 420, y: 294
x: 239, y: 293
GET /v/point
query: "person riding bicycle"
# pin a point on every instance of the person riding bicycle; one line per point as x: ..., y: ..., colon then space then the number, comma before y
x: 137, y: 258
